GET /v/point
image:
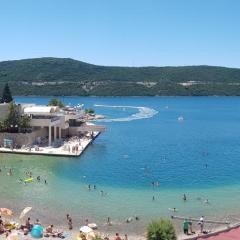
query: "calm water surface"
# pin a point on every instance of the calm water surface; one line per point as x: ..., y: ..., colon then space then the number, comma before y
x: 198, y: 156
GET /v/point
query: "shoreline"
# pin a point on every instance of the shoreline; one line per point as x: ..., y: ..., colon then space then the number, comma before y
x: 109, y: 231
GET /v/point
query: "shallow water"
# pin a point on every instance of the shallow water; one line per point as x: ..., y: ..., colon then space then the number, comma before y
x: 144, y: 142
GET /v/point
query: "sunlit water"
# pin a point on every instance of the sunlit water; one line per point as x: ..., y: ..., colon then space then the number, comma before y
x: 144, y: 142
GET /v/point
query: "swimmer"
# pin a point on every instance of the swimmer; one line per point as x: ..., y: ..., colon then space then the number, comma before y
x: 102, y: 193
x: 20, y: 180
x: 173, y: 209
x: 94, y: 187
x: 206, y: 201
x: 89, y: 187
x: 153, y: 198
x: 137, y: 218
x: 38, y: 178
x: 128, y: 220
x: 45, y: 181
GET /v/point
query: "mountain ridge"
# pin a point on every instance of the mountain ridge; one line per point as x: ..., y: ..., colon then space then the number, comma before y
x: 66, y: 76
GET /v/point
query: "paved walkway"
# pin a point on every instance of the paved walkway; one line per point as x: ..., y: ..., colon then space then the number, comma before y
x: 64, y: 150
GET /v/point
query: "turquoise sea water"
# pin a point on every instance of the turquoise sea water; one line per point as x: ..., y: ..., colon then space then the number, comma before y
x: 198, y: 156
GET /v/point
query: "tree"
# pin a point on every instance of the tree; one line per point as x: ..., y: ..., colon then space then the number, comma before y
x: 161, y: 230
x: 12, y: 118
x: 56, y: 102
x: 24, y: 122
x: 14, y: 121
x: 6, y: 96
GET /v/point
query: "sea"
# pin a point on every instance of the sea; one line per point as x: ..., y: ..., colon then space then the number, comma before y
x: 185, y: 145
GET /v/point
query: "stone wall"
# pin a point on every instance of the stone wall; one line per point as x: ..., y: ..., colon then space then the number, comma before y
x: 24, y: 138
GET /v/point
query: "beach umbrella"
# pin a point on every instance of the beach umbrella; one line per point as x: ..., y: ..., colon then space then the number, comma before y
x: 85, y: 229
x: 24, y: 212
x: 6, y: 212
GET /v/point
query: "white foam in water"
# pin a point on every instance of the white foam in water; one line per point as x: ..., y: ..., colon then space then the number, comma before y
x: 143, y: 112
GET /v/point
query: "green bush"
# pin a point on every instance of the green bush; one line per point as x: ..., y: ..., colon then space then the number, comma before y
x: 161, y: 230
x: 90, y: 111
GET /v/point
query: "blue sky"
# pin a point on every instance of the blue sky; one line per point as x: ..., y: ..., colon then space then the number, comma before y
x: 123, y: 32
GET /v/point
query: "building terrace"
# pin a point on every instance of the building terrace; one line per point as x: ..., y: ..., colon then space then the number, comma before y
x: 52, y: 130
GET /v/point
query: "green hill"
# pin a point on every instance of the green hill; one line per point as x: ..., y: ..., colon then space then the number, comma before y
x: 64, y: 76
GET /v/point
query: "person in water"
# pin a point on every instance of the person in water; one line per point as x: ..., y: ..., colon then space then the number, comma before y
x: 153, y: 198
x: 184, y: 197
x: 109, y: 221
x: 69, y: 220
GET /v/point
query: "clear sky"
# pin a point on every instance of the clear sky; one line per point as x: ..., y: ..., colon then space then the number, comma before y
x: 123, y: 32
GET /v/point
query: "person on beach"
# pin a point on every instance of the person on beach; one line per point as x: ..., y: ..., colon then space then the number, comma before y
x: 125, y: 237
x: 38, y: 178
x: 49, y: 229
x: 81, y: 236
x: 2, y: 229
x: 45, y: 181
x: 37, y: 222
x: 201, y: 223
x: 28, y: 224
x: 69, y: 219
x: 86, y: 222
x: 190, y: 226
x: 89, y: 187
x: 117, y: 237
x: 185, y: 226
x: 94, y: 187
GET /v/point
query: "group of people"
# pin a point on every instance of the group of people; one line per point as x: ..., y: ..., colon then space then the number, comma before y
x: 6, y: 228
x: 187, y: 226
x: 28, y: 174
